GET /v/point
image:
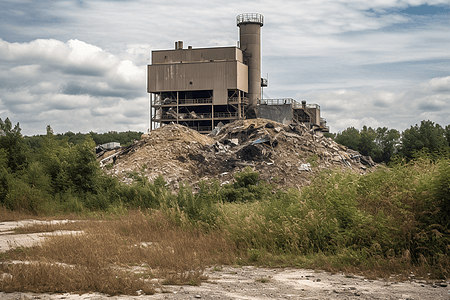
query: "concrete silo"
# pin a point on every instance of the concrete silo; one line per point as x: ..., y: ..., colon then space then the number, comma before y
x: 250, y: 43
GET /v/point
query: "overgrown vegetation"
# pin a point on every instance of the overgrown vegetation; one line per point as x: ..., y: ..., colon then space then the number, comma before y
x: 393, y: 220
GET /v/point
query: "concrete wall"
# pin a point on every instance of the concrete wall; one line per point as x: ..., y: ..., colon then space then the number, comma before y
x: 278, y: 113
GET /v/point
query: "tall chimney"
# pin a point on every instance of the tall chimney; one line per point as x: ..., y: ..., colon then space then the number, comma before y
x: 250, y: 43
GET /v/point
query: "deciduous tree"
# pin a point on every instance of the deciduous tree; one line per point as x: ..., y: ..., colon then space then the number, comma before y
x: 388, y: 141
x: 428, y: 137
x: 349, y: 137
x: 11, y: 140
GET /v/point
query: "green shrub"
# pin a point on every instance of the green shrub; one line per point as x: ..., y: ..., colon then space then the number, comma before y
x: 442, y: 194
x: 246, y: 178
x: 21, y: 196
x: 37, y: 177
x: 246, y: 188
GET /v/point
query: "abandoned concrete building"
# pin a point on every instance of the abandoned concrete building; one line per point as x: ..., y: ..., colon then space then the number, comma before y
x: 203, y: 87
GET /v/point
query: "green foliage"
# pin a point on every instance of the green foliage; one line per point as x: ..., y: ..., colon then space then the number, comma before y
x: 18, y: 195
x: 447, y: 133
x: 200, y: 206
x: 387, y: 141
x: 442, y: 195
x: 380, y: 144
x: 367, y: 145
x: 36, y: 177
x: 329, y: 135
x: 428, y: 136
x: 83, y: 169
x: 141, y: 193
x: 3, y: 175
x: 124, y: 138
x: 349, y: 137
x: 12, y: 142
x: 60, y: 175
x: 246, y: 188
x: 246, y: 178
x: 398, y: 213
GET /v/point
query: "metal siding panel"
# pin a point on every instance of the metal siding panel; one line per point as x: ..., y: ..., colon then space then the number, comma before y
x: 242, y: 77
x: 204, y: 76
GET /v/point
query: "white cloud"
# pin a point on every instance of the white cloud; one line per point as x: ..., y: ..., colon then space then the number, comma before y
x: 382, y: 108
x: 441, y: 85
x: 72, y: 57
x: 129, y: 75
x: 30, y: 71
x: 80, y: 65
x: 67, y: 82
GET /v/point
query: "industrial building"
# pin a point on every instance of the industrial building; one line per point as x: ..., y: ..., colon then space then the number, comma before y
x: 203, y: 87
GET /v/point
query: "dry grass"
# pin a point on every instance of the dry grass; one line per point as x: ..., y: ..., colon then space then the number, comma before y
x: 51, y: 226
x: 117, y: 257
x: 8, y: 215
x: 15, y: 215
x: 50, y: 278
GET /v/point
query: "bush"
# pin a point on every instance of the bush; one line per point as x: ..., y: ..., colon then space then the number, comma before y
x: 442, y: 194
x: 246, y: 188
x: 21, y: 196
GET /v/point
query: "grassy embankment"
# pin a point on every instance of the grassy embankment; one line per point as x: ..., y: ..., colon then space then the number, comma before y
x: 392, y: 221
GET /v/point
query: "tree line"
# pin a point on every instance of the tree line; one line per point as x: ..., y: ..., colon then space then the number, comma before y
x: 383, y: 144
x: 124, y: 138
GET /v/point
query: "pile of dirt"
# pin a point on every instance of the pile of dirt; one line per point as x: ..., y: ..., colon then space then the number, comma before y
x: 286, y: 155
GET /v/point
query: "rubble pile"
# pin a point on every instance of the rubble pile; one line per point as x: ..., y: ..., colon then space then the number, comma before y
x: 286, y: 155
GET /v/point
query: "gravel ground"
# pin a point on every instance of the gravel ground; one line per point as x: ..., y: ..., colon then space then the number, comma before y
x: 9, y: 240
x: 252, y: 283
x: 268, y: 283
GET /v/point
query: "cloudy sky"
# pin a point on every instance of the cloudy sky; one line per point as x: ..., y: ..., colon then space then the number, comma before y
x: 80, y: 65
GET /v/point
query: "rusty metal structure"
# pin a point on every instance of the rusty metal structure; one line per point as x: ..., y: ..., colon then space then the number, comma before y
x: 203, y: 87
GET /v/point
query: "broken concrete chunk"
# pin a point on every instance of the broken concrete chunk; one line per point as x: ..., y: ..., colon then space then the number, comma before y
x: 305, y: 167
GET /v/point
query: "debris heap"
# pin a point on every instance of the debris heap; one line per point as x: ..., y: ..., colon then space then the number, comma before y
x: 286, y: 155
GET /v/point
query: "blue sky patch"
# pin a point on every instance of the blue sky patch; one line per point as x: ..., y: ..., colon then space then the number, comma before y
x: 426, y: 10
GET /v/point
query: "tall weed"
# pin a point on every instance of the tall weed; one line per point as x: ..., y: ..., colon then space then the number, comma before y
x: 390, y: 217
